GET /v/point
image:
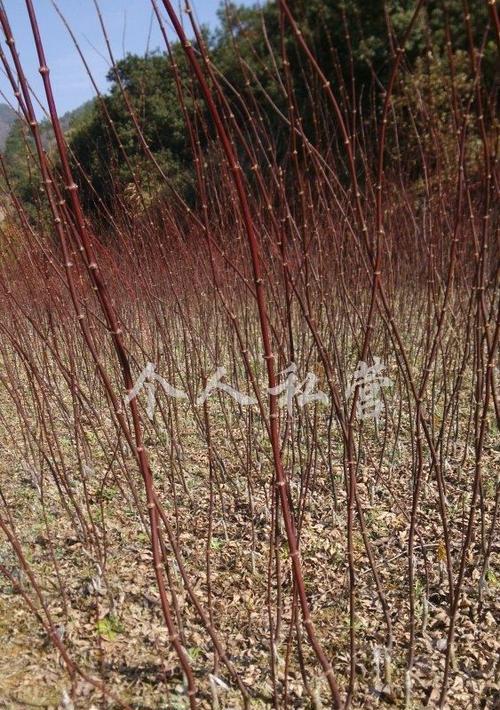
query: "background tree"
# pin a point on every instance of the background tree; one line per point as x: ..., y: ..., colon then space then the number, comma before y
x: 353, y: 41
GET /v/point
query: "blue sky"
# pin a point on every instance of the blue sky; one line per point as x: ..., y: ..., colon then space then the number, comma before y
x: 129, y: 23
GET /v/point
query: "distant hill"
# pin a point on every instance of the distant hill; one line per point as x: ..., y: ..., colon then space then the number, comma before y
x: 68, y: 120
x: 17, y: 146
x: 7, y: 119
x: 71, y: 118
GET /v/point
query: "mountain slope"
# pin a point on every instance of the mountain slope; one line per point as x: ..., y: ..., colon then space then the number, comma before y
x: 7, y: 118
